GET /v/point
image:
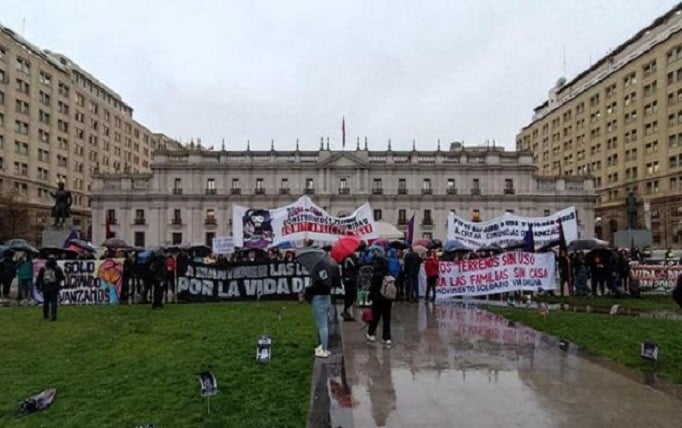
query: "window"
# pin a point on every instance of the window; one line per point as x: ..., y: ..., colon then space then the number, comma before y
x: 451, y: 185
x: 20, y: 168
x: 62, y: 125
x: 21, y: 107
x: 402, y: 186
x: 80, y: 100
x: 139, y: 240
x: 43, y: 155
x: 343, y: 183
x: 21, y: 127
x: 111, y: 216
x: 20, y: 148
x: 630, y: 79
x: 259, y: 185
x: 402, y: 216
x: 23, y: 65
x: 139, y: 216
x: 426, y: 184
x: 377, y: 186
x: 377, y: 215
x: 309, y: 184
x: 23, y: 87
x: 177, y: 216
x: 508, y: 186
x: 176, y: 239
x: 235, y: 184
x: 209, y: 239
x: 284, y: 184
x: 210, y: 186
x: 476, y: 216
x: 44, y: 117
x: 210, y: 216
x: 44, y: 98
x: 427, y: 218
x: 177, y: 186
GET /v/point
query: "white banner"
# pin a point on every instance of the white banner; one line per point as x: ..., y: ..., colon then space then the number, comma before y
x: 503, y: 273
x: 223, y: 245
x: 510, y: 229
x: 263, y: 228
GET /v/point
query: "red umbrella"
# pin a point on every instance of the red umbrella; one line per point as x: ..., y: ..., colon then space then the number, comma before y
x: 344, y: 247
x: 421, y: 242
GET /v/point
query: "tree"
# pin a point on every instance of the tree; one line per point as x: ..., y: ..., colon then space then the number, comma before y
x: 15, y: 218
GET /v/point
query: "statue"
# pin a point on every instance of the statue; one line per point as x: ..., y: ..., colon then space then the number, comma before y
x: 62, y: 205
x: 631, y: 210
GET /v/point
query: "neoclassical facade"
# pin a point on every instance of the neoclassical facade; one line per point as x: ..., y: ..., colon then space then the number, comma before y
x: 187, y: 198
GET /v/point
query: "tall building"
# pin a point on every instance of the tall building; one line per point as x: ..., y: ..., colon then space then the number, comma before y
x: 188, y: 196
x: 621, y: 121
x: 58, y: 123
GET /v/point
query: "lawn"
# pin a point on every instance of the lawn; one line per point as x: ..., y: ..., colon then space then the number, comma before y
x: 127, y: 366
x: 617, y: 338
x: 647, y: 303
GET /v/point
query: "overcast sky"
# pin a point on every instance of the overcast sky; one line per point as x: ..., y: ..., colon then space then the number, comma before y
x: 454, y: 70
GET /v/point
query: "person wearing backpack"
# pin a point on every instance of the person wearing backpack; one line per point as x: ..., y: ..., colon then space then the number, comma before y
x: 382, y: 292
x: 50, y: 278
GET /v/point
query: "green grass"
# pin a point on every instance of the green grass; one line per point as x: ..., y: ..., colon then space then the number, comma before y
x: 616, y: 338
x: 648, y: 303
x: 129, y: 365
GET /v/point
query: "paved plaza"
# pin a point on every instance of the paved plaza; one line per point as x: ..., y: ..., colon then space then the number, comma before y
x: 451, y: 366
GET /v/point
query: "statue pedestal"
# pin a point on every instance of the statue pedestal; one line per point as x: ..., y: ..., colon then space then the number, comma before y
x: 55, y: 236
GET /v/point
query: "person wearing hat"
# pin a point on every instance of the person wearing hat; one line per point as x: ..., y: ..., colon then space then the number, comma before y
x: 49, y: 280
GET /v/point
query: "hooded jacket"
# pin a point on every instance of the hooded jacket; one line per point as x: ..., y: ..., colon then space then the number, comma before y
x: 393, y: 263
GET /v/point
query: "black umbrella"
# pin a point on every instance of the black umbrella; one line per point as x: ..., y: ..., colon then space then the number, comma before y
x: 61, y: 253
x: 21, y: 245
x: 115, y: 243
x: 587, y: 244
x: 318, y: 263
x: 399, y: 244
x: 492, y: 248
x: 435, y: 244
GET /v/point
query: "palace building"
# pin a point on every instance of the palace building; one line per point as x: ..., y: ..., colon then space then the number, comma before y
x: 188, y: 195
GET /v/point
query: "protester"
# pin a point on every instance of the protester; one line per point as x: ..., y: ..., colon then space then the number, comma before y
x: 623, y: 271
x: 8, y: 271
x: 599, y: 274
x: 321, y: 301
x: 412, y: 264
x: 171, y: 267
x: 349, y: 271
x: 381, y: 306
x: 581, y: 273
x: 156, y: 276
x: 431, y: 270
x: 394, y: 268
x: 564, y: 273
x: 25, y: 277
x: 677, y: 291
x: 49, y: 280
x: 128, y: 286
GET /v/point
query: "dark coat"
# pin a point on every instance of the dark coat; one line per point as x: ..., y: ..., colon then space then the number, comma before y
x: 46, y: 287
x: 412, y: 264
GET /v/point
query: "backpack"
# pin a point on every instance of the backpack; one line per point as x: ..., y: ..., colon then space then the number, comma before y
x: 49, y: 276
x: 388, y: 289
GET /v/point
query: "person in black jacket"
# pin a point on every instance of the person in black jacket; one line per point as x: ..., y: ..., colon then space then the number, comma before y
x: 412, y: 264
x: 49, y: 280
x: 350, y: 270
x: 677, y: 291
x: 8, y: 270
x: 381, y: 306
x: 157, y: 276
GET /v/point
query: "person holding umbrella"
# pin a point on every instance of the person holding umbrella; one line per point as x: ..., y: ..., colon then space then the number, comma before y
x: 343, y: 252
x: 49, y: 280
x: 8, y: 270
x: 431, y: 269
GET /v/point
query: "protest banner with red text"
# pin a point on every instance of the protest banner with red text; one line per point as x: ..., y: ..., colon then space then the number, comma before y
x: 263, y: 228
x: 656, y: 276
x: 502, y: 273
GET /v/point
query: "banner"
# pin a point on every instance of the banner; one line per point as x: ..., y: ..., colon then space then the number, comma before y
x: 510, y: 229
x: 263, y: 228
x: 223, y: 245
x: 656, y: 275
x: 503, y: 273
x: 243, y: 281
x: 87, y: 282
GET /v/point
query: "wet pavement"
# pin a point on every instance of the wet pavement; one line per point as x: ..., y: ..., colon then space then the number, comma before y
x: 451, y: 366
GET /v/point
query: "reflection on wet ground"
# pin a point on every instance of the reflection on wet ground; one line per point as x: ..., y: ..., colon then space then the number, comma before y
x: 453, y: 366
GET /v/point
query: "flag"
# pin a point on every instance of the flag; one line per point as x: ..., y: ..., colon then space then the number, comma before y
x: 528, y: 241
x: 409, y: 235
x: 72, y: 235
x: 343, y: 132
x: 562, y: 239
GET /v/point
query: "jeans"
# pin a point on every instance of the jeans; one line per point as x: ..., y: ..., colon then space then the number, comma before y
x: 381, y: 308
x: 25, y: 285
x: 413, y: 286
x: 321, y: 305
x: 6, y: 285
x: 50, y: 303
x: 351, y: 294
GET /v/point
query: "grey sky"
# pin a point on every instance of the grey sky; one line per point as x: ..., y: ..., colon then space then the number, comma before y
x: 453, y: 70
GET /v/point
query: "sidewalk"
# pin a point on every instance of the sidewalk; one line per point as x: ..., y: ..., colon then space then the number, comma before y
x: 450, y: 366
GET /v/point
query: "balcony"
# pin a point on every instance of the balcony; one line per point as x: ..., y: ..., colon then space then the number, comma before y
x: 210, y: 221
x: 427, y: 222
x: 509, y: 191
x: 344, y: 191
x: 211, y: 191
x: 235, y: 191
x: 402, y: 191
x: 177, y: 191
x: 176, y: 222
x: 140, y: 221
x: 427, y: 191
x: 284, y: 191
x: 476, y: 191
x: 259, y: 191
x: 309, y: 191
x: 452, y: 191
x: 377, y: 191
